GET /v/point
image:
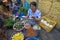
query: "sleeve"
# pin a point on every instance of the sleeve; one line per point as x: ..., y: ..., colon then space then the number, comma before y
x: 39, y: 14
x: 28, y: 13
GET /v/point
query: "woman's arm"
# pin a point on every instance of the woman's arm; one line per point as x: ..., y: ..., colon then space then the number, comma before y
x: 36, y: 19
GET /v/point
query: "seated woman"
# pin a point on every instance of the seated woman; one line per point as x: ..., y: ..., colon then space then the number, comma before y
x: 34, y: 15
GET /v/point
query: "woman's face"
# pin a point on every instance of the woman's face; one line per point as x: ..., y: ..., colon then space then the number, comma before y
x: 33, y: 7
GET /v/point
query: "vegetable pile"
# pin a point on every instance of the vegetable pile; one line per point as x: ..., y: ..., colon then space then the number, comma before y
x: 9, y: 23
x: 24, y: 10
x: 17, y: 19
x: 18, y: 36
x: 18, y: 26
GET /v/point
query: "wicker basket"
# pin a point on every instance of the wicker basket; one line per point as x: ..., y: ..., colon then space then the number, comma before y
x: 17, y: 29
x: 47, y: 24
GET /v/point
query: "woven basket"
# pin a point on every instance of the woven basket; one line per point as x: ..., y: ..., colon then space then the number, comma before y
x: 47, y: 23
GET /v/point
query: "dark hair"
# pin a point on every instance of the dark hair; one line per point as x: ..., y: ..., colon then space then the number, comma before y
x: 33, y: 3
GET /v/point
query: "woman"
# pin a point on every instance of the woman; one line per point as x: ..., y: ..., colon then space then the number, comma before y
x: 34, y: 15
x: 33, y: 12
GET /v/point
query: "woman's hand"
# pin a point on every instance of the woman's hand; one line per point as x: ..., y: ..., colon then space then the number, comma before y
x: 25, y: 18
x: 36, y: 19
x: 33, y: 17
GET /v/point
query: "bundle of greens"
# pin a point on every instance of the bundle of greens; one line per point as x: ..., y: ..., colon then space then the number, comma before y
x: 9, y: 23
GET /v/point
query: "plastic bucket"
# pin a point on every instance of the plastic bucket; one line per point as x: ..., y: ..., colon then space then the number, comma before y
x: 32, y: 38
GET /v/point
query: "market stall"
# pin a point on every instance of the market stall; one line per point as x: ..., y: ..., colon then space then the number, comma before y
x: 15, y: 21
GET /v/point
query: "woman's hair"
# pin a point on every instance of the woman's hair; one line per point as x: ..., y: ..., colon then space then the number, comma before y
x: 33, y: 3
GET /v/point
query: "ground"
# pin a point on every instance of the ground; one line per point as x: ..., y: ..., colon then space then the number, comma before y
x: 53, y: 35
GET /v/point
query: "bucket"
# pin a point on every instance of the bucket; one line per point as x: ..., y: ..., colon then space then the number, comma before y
x: 32, y: 38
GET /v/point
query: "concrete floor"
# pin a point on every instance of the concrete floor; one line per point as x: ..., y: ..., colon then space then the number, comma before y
x: 53, y: 35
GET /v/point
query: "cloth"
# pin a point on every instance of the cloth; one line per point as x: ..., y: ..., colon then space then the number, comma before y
x: 26, y: 4
x: 12, y: 6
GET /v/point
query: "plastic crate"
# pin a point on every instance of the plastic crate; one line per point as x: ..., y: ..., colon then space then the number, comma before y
x: 47, y: 23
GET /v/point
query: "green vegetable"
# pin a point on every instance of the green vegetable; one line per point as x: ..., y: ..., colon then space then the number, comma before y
x: 9, y: 23
x: 17, y: 19
x: 24, y: 10
x: 19, y: 26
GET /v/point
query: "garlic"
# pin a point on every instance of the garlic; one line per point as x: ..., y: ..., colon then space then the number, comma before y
x: 42, y: 20
x: 48, y: 24
x: 51, y: 26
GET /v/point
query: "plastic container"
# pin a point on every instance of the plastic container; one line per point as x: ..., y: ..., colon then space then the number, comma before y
x: 15, y: 27
x: 13, y: 33
x: 15, y: 11
x: 18, y: 36
x: 32, y: 38
x: 26, y: 4
x: 21, y: 14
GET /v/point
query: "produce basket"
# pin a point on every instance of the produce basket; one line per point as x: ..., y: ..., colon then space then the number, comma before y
x: 18, y: 26
x: 8, y: 23
x: 47, y: 23
x: 17, y: 36
x: 32, y: 38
